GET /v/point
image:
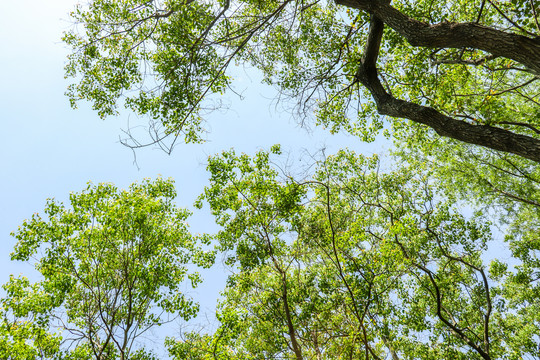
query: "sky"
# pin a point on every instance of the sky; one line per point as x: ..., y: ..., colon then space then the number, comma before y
x: 48, y: 149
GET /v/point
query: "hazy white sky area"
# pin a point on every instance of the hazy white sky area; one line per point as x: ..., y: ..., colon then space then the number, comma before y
x: 47, y: 149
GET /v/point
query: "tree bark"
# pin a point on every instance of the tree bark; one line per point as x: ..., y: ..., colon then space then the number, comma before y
x: 483, y: 135
x: 520, y: 48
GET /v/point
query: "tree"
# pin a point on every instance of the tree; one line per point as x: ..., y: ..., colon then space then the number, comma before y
x: 466, y: 69
x: 356, y: 263
x: 111, y: 268
x: 352, y: 261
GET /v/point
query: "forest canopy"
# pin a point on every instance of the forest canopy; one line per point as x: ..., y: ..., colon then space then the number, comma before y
x: 429, y: 252
x: 466, y: 69
x: 348, y: 262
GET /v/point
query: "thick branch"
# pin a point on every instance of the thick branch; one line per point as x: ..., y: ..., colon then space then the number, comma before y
x: 483, y: 135
x: 453, y: 35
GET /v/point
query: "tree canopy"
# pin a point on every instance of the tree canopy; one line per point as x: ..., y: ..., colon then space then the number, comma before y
x: 111, y: 268
x: 356, y: 263
x: 349, y: 261
x: 393, y: 257
x: 467, y: 70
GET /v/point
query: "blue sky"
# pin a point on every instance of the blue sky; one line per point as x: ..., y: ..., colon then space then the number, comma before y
x: 48, y: 149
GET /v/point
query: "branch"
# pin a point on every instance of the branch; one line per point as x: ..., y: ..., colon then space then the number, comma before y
x: 175, y: 133
x: 484, y: 280
x: 439, y: 304
x: 533, y: 128
x: 463, y: 61
x: 508, y: 19
x: 512, y: 196
x: 535, y: 15
x: 483, y: 135
x: 520, y: 48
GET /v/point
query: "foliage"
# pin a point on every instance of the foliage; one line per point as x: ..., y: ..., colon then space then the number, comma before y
x: 358, y: 263
x: 111, y: 266
x: 349, y: 262
x: 454, y: 66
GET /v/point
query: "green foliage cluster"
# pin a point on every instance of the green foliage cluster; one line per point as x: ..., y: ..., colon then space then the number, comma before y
x: 359, y: 259
x: 111, y: 265
x: 169, y: 60
x: 350, y: 262
x: 358, y: 263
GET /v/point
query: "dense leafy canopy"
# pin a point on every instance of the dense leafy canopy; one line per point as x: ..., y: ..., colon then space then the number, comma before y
x: 348, y: 262
x: 467, y: 69
x: 111, y: 268
x: 354, y: 259
x: 358, y: 263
